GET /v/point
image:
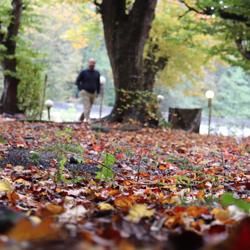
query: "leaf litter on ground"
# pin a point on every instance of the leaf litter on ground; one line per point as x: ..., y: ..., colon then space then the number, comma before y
x: 148, y: 189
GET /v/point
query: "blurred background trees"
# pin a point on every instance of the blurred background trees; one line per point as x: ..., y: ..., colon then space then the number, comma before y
x: 193, y: 46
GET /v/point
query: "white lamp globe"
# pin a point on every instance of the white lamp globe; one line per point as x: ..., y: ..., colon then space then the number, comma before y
x: 102, y: 80
x: 160, y: 98
x: 49, y: 103
x: 209, y: 94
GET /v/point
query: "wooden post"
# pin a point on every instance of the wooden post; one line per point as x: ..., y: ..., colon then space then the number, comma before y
x: 43, y: 97
x: 210, y: 114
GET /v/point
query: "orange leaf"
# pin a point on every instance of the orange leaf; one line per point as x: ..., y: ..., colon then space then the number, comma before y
x: 25, y: 231
x: 97, y: 148
x: 13, y: 197
x: 173, y: 222
x: 124, y: 202
x: 201, y: 195
x: 195, y: 211
x: 163, y: 167
x: 144, y: 174
x: 113, y: 192
x: 54, y: 209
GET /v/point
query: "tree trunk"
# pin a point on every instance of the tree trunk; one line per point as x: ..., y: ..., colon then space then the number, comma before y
x: 9, y: 101
x: 126, y: 32
x: 9, y: 97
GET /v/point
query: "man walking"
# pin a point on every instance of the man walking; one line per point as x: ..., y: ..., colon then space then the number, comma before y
x: 88, y: 83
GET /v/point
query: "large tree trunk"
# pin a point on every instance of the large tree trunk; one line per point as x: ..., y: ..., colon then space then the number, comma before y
x: 9, y: 101
x: 126, y: 32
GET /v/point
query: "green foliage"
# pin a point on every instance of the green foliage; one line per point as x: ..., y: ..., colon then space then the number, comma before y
x: 66, y: 133
x: 106, y: 172
x: 183, y: 180
x: 34, y: 157
x: 30, y: 89
x: 164, y: 124
x: 2, y: 140
x: 231, y: 87
x: 66, y: 35
x: 30, y: 69
x: 228, y: 199
x: 173, y: 40
x: 232, y: 93
x: 227, y: 20
x: 60, y: 170
x: 182, y: 163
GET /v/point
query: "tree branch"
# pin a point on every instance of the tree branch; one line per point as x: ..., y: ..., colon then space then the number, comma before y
x: 190, y: 8
x: 97, y: 3
x: 223, y: 13
x: 98, y: 6
x: 234, y: 17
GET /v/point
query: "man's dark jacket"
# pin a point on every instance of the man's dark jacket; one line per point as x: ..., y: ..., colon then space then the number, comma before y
x: 89, y: 80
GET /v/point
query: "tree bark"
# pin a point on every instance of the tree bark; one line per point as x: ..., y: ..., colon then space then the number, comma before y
x: 126, y: 32
x: 9, y: 101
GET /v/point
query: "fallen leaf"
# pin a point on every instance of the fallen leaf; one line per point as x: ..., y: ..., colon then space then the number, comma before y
x: 124, y: 202
x: 73, y: 214
x: 139, y: 211
x: 105, y: 206
x: 54, y: 209
x: 5, y: 186
x: 13, y: 197
x: 24, y: 230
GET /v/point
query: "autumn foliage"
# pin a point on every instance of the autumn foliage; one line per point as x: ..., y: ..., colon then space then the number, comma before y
x: 158, y: 188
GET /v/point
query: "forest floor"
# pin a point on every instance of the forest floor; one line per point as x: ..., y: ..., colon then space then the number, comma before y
x: 110, y: 186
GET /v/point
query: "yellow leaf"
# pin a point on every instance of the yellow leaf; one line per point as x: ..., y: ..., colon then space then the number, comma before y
x: 221, y: 214
x: 139, y: 211
x: 105, y: 206
x: 5, y: 186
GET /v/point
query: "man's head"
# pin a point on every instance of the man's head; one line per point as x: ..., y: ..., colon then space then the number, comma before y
x: 91, y: 64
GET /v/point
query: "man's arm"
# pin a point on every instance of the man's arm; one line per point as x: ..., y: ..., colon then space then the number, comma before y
x: 79, y: 79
